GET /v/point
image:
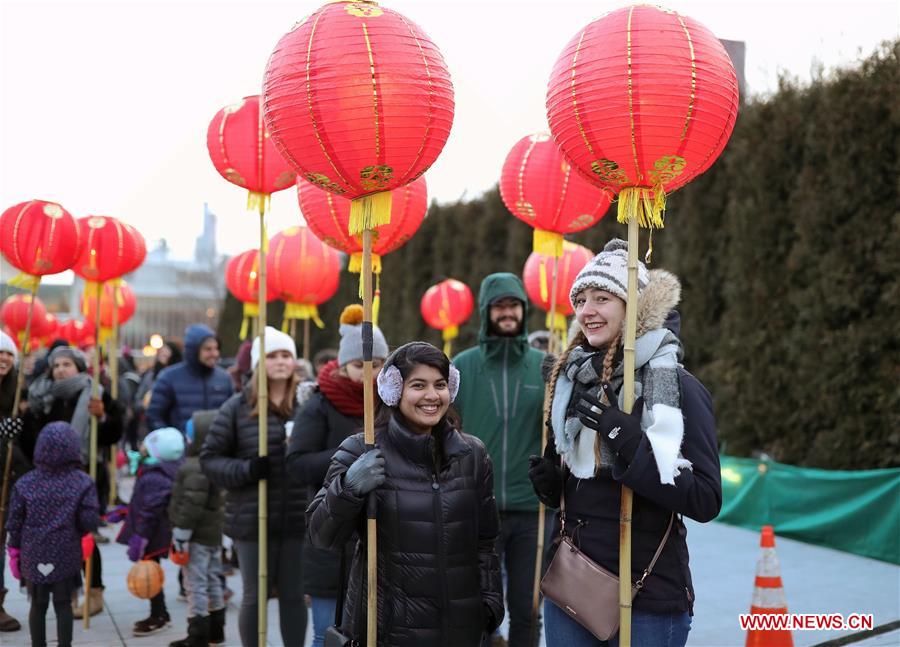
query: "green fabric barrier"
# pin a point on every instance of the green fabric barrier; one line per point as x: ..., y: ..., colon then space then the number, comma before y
x: 853, y: 511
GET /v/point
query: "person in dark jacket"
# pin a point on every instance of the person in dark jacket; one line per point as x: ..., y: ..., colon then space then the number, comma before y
x: 438, y: 572
x: 196, y: 384
x: 197, y: 514
x: 147, y: 531
x: 168, y: 355
x: 332, y: 412
x: 230, y: 458
x: 664, y: 450
x: 51, y: 508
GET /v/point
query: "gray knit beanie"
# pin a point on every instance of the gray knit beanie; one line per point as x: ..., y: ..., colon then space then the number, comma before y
x: 608, y: 271
x: 350, y: 348
x: 72, y: 353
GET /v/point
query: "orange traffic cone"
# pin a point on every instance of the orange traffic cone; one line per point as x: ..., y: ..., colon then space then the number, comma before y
x: 768, y: 595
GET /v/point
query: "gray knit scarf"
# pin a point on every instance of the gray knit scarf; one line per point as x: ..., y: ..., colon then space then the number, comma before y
x: 657, y: 358
x: 44, y: 391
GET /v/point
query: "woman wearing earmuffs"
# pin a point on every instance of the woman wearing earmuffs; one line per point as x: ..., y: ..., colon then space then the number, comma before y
x: 438, y: 574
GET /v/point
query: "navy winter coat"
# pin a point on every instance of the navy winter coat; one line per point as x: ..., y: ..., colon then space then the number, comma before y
x: 188, y: 386
x: 148, y: 515
x: 52, y: 506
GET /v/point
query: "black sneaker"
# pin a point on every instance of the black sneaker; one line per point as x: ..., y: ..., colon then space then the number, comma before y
x: 150, y: 626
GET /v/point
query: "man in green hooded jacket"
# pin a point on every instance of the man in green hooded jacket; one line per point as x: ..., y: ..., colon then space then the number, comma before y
x: 500, y: 399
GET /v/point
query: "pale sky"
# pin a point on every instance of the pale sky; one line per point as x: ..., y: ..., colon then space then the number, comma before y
x: 105, y: 105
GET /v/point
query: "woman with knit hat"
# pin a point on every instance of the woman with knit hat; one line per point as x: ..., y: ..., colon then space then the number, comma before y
x: 230, y: 459
x: 332, y: 412
x: 664, y: 450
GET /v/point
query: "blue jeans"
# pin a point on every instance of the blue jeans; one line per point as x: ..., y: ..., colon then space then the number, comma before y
x: 201, y: 580
x: 647, y: 629
x: 322, y: 617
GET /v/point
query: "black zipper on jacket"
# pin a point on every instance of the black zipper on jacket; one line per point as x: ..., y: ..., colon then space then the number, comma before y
x: 504, y: 458
x: 442, y: 556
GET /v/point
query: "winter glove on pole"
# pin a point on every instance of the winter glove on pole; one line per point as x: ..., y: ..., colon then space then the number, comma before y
x: 620, y: 431
x: 259, y: 468
x: 366, y: 473
x: 546, y: 479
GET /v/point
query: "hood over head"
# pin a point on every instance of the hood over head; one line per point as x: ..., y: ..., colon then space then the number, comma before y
x: 494, y: 287
x: 194, y: 336
x: 58, y: 447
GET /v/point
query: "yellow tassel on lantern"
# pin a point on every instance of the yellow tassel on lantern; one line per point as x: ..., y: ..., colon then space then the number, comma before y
x: 547, y: 243
x: 449, y: 334
x: 369, y: 212
x: 301, y: 311
x: 355, y: 265
x: 25, y: 281
x: 251, y: 310
x: 258, y: 201
x: 646, y: 205
x: 90, y: 292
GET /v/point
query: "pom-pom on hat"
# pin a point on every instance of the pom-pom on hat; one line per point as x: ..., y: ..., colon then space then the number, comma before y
x: 608, y: 271
x: 165, y: 444
x: 7, y: 344
x: 275, y: 340
x: 350, y: 349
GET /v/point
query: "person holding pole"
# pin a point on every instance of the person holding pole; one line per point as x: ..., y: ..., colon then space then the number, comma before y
x: 665, y: 450
x: 501, y: 400
x: 230, y: 459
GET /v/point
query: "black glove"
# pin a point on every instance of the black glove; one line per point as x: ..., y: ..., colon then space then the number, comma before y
x: 366, y: 473
x: 259, y: 468
x: 620, y: 430
x: 546, y: 479
x: 10, y: 428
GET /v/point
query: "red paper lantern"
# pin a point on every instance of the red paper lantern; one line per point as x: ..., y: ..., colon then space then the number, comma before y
x: 642, y: 101
x: 243, y: 153
x: 116, y: 293
x: 110, y: 249
x: 39, y: 238
x: 14, y: 314
x: 542, y: 189
x: 77, y: 332
x: 46, y: 330
x: 359, y: 101
x: 538, y: 279
x: 301, y: 271
x: 446, y: 306
x: 242, y: 280
x: 327, y: 216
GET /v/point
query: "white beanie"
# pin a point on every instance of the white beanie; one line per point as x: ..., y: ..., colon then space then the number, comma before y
x: 275, y: 340
x: 608, y: 271
x: 7, y: 344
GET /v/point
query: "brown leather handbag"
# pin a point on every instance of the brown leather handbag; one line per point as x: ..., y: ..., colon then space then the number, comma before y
x: 586, y: 591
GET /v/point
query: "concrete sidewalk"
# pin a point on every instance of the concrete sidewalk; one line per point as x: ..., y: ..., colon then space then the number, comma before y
x: 723, y: 563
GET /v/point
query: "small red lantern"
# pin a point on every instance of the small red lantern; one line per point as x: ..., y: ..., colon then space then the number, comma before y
x: 328, y: 215
x: 446, y: 306
x: 303, y: 272
x: 39, y: 238
x: 77, y: 332
x: 110, y: 249
x: 242, y: 152
x: 538, y: 280
x: 642, y: 101
x: 116, y: 295
x: 46, y: 330
x: 359, y: 101
x: 242, y: 280
x: 542, y: 189
x: 14, y: 315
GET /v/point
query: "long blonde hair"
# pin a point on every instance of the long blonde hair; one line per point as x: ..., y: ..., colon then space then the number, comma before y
x: 283, y: 410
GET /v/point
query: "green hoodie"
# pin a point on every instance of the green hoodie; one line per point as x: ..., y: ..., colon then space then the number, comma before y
x: 501, y: 397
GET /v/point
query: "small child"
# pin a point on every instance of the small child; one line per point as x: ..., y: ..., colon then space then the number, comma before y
x: 51, y: 508
x: 197, y: 513
x: 147, y: 532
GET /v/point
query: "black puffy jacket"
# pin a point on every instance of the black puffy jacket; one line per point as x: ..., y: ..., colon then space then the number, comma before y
x: 225, y: 458
x: 438, y: 575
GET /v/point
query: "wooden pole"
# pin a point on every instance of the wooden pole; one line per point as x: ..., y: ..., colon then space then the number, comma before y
x: 627, y: 495
x: 113, y: 354
x: 92, y: 457
x: 369, y: 429
x: 263, y: 407
x: 306, y: 339
x: 20, y: 382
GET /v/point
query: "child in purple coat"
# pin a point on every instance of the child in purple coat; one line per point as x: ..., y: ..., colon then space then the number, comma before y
x: 147, y: 531
x: 52, y: 506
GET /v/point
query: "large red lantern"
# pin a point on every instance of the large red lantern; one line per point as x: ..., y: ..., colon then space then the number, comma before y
x: 538, y: 280
x: 243, y: 153
x: 359, y: 101
x: 77, y: 332
x: 117, y: 307
x: 542, y: 189
x: 14, y: 313
x: 327, y: 216
x: 242, y: 280
x: 303, y: 272
x: 110, y: 249
x: 39, y: 238
x: 446, y: 306
x: 641, y: 101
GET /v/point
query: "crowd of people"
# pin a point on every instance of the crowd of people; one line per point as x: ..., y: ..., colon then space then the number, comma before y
x: 455, y: 476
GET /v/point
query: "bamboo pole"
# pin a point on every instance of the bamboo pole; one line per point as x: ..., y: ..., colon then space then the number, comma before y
x: 20, y: 382
x: 113, y: 354
x: 369, y: 429
x: 306, y: 339
x: 92, y: 457
x: 627, y: 495
x: 263, y: 408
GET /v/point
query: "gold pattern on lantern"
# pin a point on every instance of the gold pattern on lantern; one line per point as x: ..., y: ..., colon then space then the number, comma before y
x: 524, y: 208
x: 324, y: 182
x: 666, y: 169
x: 234, y: 177
x: 96, y: 222
x: 582, y: 221
x: 375, y: 177
x: 285, y: 179
x: 609, y: 171
x: 364, y: 10
x: 53, y: 210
